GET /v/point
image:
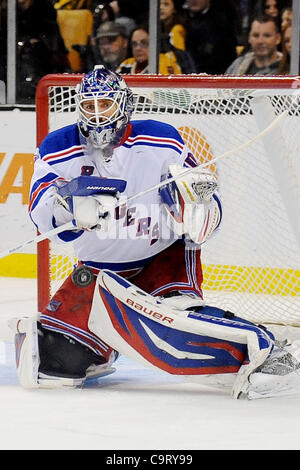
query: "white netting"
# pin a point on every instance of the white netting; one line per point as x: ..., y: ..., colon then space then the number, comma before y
x: 251, y: 266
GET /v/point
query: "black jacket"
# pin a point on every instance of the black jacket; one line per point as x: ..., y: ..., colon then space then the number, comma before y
x: 211, y: 40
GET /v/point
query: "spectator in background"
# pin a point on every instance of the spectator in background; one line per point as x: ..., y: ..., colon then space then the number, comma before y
x: 111, y: 45
x: 274, y: 8
x: 286, y: 17
x: 271, y: 8
x: 173, y: 23
x: 264, y: 57
x: 285, y: 63
x: 140, y: 60
x: 211, y: 34
x: 89, y: 53
x: 109, y: 11
x: 41, y: 49
x: 173, y: 33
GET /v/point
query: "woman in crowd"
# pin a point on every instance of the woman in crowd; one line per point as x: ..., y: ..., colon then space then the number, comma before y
x: 139, y: 62
x: 286, y: 17
x: 173, y: 27
x: 285, y: 63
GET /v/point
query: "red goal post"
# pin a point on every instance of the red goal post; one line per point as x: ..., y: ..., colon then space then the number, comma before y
x: 252, y: 265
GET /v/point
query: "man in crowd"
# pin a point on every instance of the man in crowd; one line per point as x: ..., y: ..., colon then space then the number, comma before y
x: 264, y: 58
x: 112, y: 44
x: 108, y: 47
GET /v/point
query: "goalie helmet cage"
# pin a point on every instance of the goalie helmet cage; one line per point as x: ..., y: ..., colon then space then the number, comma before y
x: 251, y: 265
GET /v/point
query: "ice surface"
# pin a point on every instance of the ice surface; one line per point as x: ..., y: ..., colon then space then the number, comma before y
x: 134, y: 408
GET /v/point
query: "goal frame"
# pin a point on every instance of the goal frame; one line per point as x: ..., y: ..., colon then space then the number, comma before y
x: 139, y: 81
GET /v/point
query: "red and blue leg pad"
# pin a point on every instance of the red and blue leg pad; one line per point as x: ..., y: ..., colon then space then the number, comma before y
x: 172, y: 350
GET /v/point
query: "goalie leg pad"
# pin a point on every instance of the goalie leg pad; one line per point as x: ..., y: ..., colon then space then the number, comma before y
x: 178, y: 342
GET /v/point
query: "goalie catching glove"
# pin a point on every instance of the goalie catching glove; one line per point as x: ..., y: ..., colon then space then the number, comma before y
x: 192, y: 203
x: 89, y: 201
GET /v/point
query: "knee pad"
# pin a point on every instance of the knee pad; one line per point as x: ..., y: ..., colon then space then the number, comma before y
x: 62, y: 356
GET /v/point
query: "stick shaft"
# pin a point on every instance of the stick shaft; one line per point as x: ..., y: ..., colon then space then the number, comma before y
x: 212, y: 161
x: 38, y: 238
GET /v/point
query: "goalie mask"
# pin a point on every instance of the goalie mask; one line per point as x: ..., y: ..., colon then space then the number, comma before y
x: 104, y: 106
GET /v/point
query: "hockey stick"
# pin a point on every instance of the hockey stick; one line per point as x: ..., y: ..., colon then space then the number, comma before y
x: 70, y: 225
x: 38, y: 238
x: 210, y: 162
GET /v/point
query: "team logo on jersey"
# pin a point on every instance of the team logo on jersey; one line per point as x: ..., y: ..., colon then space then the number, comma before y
x: 87, y: 170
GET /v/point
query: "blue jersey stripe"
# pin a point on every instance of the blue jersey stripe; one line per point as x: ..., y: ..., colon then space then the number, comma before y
x: 44, y: 179
x: 38, y: 197
x: 148, y: 144
x: 58, y: 160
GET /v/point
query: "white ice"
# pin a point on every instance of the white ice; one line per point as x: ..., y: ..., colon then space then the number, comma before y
x: 134, y: 408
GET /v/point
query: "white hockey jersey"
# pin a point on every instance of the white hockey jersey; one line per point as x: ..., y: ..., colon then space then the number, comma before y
x: 139, y: 231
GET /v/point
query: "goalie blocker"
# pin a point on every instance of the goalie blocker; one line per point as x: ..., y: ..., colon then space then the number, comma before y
x: 205, y: 344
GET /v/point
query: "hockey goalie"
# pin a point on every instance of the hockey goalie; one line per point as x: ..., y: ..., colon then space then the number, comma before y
x: 137, y: 287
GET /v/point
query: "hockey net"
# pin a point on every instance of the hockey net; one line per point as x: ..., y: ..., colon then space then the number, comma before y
x: 251, y: 266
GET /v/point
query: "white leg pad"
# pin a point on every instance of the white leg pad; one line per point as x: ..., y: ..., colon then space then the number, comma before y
x: 26, y: 350
x: 117, y: 301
